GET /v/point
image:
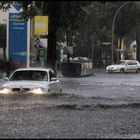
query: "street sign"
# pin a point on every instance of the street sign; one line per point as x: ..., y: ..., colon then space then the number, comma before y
x: 106, y: 43
x: 17, y: 6
x: 17, y: 37
x: 119, y: 50
x: 41, y: 25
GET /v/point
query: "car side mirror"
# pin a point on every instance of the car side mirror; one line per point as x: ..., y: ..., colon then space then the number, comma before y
x: 53, y: 79
x: 6, y: 78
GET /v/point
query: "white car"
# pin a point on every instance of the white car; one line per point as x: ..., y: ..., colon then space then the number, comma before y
x: 124, y: 66
x: 31, y: 80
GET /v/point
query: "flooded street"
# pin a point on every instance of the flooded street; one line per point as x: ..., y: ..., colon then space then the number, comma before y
x: 65, y: 49
x: 99, y: 106
x: 107, y: 87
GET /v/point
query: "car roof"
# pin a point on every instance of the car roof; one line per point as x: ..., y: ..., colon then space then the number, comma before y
x: 34, y: 68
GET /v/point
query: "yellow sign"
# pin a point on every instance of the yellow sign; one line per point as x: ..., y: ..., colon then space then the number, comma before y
x: 41, y: 25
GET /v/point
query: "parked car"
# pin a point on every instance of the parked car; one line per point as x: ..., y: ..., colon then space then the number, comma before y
x: 125, y: 66
x: 31, y: 80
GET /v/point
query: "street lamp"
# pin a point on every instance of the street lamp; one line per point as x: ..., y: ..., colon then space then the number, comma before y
x: 114, y: 18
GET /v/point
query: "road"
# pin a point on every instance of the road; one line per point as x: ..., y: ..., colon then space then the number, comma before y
x: 99, y: 106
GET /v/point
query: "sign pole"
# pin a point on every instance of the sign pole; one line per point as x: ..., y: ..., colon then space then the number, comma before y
x: 28, y: 43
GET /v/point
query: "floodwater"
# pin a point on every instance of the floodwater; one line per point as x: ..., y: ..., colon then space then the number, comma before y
x: 99, y: 106
x: 100, y: 90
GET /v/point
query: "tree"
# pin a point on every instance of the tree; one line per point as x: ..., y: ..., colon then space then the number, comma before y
x: 97, y: 23
x: 128, y: 25
x: 99, y: 18
x: 79, y: 19
x: 61, y: 14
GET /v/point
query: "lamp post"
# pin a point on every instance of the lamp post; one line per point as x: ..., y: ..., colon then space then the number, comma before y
x: 114, y: 18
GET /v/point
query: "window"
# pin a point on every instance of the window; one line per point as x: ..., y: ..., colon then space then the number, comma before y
x: 52, y: 75
x: 129, y: 63
x: 134, y: 63
x: 30, y: 75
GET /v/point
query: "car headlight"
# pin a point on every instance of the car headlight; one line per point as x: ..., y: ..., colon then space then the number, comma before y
x: 5, y: 90
x: 107, y: 68
x: 38, y: 91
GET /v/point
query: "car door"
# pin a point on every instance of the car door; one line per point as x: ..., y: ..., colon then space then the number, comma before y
x: 128, y: 66
x: 134, y: 66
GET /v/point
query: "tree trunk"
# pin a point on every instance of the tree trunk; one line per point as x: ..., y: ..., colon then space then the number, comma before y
x: 51, y: 52
x: 53, y: 27
x: 119, y: 47
x: 138, y: 47
x: 121, y: 40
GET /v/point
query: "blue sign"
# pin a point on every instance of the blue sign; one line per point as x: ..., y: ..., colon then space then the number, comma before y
x: 17, y: 38
x: 17, y: 6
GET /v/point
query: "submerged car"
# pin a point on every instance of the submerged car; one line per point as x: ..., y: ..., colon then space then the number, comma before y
x: 125, y: 66
x: 31, y: 80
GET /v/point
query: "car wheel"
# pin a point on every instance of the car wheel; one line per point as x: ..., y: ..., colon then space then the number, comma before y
x: 138, y: 71
x: 121, y: 70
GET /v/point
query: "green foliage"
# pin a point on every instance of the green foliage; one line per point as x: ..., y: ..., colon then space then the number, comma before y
x: 80, y: 19
x: 99, y: 19
x: 5, y: 5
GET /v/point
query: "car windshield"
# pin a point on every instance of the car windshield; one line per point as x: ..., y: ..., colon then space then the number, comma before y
x: 29, y: 75
x: 122, y: 63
